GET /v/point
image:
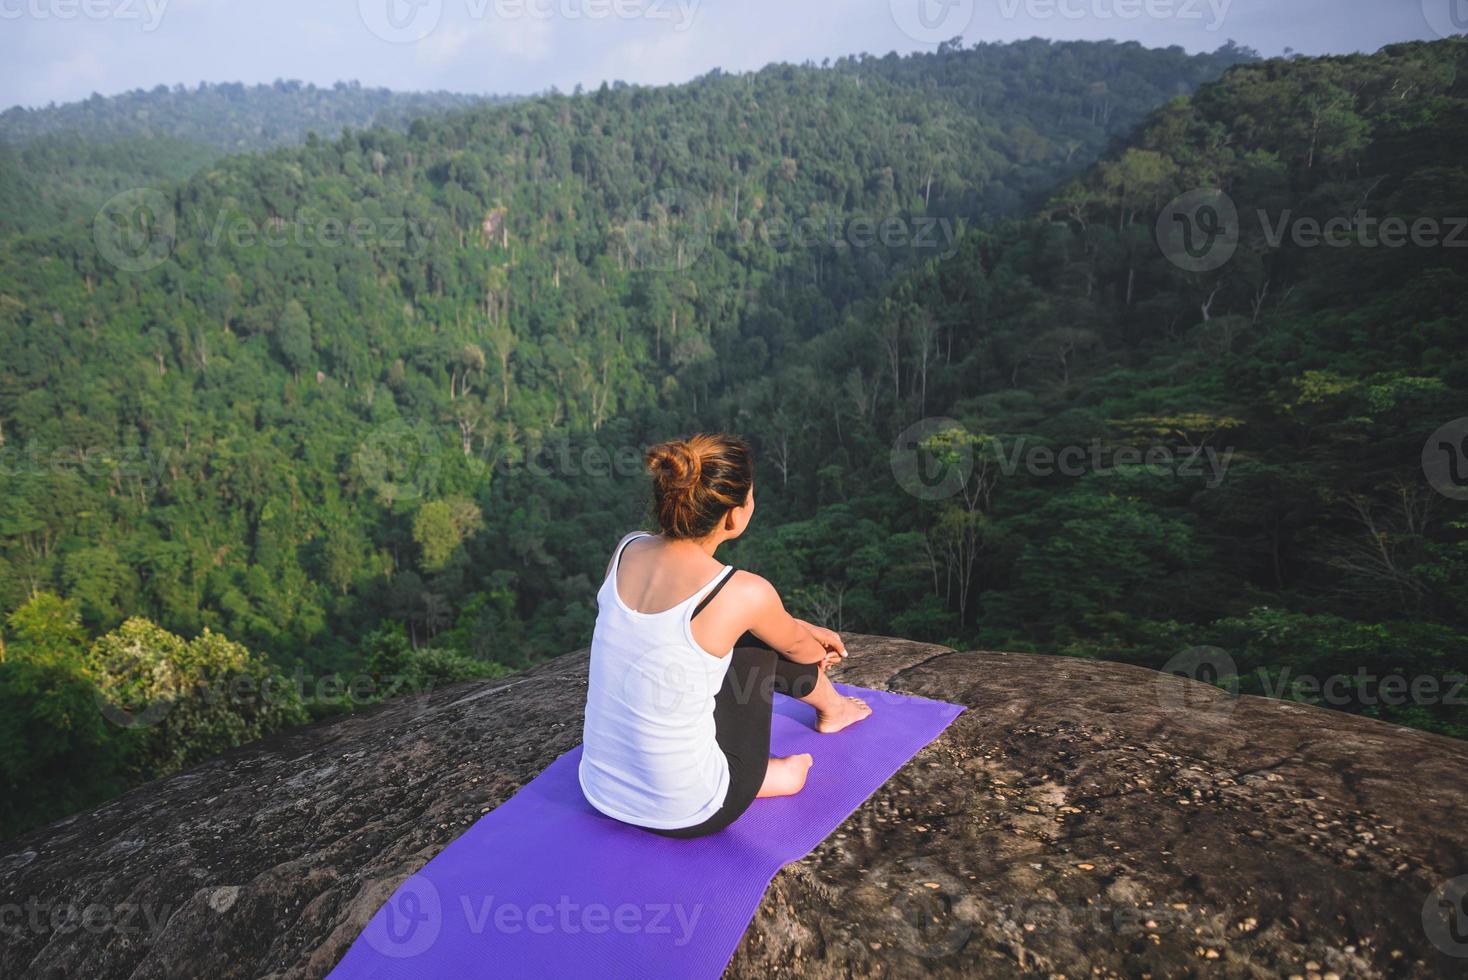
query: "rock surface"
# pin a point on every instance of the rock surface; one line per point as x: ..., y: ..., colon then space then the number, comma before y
x: 1080, y: 819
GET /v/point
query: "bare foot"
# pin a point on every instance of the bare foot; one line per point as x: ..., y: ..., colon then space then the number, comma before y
x: 851, y: 711
x: 786, y: 776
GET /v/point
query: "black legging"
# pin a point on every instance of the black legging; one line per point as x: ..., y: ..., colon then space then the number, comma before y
x: 742, y: 711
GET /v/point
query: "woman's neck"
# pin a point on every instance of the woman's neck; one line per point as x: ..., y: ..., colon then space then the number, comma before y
x: 707, y: 545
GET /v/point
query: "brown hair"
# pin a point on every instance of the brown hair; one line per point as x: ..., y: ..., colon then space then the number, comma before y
x: 696, y: 481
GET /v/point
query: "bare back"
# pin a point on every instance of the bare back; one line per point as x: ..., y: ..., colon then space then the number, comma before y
x: 656, y: 574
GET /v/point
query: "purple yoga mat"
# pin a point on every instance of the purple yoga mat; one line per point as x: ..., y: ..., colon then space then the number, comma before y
x: 544, y: 886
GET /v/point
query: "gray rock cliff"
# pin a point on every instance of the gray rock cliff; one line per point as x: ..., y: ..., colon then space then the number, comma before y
x: 1080, y: 819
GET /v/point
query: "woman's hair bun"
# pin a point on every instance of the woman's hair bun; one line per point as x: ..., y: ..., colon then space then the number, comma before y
x: 696, y: 481
x: 675, y: 465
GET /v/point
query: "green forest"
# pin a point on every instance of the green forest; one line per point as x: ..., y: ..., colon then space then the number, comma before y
x: 320, y: 424
x: 60, y: 163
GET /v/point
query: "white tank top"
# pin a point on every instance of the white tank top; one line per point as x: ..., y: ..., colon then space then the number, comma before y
x: 650, y: 757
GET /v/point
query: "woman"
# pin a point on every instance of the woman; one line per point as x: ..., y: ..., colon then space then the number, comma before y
x: 687, y: 654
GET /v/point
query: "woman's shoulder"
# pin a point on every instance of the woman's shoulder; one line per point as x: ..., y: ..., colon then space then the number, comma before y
x: 622, y: 544
x: 631, y: 536
x: 749, y: 587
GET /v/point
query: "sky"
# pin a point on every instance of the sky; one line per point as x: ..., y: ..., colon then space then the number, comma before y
x: 65, y: 50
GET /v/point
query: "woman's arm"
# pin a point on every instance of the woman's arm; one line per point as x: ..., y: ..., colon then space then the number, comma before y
x: 827, y: 638
x: 771, y: 623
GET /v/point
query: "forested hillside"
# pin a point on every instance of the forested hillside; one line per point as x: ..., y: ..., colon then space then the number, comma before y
x: 514, y: 277
x: 1175, y: 446
x: 59, y: 163
x: 376, y: 403
x: 228, y: 117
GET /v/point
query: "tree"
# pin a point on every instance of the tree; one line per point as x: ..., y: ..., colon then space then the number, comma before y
x: 440, y: 527
x: 342, y: 559
x: 293, y: 337
x: 187, y: 700
x: 47, y: 629
x: 57, y: 752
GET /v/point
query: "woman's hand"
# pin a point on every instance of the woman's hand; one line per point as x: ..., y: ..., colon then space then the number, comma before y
x: 828, y: 639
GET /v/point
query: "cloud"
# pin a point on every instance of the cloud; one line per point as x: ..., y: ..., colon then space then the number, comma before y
x: 83, y: 69
x: 524, y: 39
x: 655, y: 60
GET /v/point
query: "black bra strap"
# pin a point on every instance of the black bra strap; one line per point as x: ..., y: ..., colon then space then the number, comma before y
x: 617, y: 558
x: 712, y: 592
